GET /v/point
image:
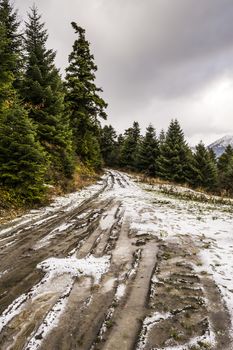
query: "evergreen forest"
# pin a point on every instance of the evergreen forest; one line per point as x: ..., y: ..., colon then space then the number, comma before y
x: 168, y: 157
x: 49, y: 125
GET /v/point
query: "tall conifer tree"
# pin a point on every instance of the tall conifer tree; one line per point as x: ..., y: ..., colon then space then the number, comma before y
x: 44, y: 95
x: 204, y: 169
x: 175, y: 155
x: 108, y: 145
x: 212, y: 155
x: 225, y: 170
x: 22, y: 160
x: 6, y: 77
x: 224, y: 159
x: 149, y: 152
x: 9, y: 46
x: 130, y: 147
x: 226, y: 178
x: 13, y: 45
x: 83, y: 99
x: 119, y: 146
x: 162, y: 137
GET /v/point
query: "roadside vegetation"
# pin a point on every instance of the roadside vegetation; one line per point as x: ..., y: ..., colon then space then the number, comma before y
x: 49, y: 126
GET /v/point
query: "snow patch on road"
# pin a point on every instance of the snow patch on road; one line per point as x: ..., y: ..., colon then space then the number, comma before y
x: 109, y: 285
x: 142, y: 228
x: 59, y: 276
x: 120, y: 292
x: 50, y: 321
x: 107, y: 221
x: 218, y: 262
x: 89, y: 266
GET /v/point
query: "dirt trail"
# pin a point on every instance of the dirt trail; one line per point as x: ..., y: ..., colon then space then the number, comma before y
x: 82, y: 278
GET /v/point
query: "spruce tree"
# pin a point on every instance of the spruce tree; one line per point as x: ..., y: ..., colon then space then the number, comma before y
x: 119, y: 147
x: 224, y: 159
x: 5, y: 78
x: 226, y: 179
x: 204, y: 169
x: 212, y: 155
x: 7, y: 92
x: 175, y: 155
x: 43, y: 94
x: 22, y: 160
x: 13, y: 44
x: 83, y: 100
x: 162, y: 137
x: 130, y: 147
x: 148, y: 152
x: 108, y: 145
x: 225, y: 170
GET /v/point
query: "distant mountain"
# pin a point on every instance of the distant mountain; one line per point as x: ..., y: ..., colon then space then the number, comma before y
x: 219, y: 146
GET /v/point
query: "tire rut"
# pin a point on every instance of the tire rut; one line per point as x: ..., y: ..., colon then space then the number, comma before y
x: 151, y: 296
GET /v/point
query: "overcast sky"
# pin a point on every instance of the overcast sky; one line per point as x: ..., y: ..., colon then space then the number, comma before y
x: 157, y: 59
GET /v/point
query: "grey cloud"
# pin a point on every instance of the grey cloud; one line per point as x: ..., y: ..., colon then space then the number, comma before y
x: 146, y: 50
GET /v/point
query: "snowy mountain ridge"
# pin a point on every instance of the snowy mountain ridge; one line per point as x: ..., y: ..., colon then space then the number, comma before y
x: 219, y: 145
x: 224, y: 141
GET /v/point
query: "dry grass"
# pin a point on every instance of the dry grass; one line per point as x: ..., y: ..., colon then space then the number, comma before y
x: 10, y: 208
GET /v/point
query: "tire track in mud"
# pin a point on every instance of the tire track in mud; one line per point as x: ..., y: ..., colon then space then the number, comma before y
x: 152, y: 296
x: 185, y: 310
x: 97, y: 298
x: 47, y: 222
x: 20, y: 260
x: 129, y: 314
x: 21, y: 278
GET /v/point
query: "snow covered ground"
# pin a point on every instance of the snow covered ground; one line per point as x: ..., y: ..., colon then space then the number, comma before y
x: 211, y: 225
x: 101, y: 240
x: 153, y: 212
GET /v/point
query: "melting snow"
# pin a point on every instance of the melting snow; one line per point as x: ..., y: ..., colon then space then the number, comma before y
x: 149, y: 212
x: 148, y: 324
x: 151, y: 321
x: 154, y: 212
x: 120, y: 292
x: 89, y: 266
x: 50, y: 321
x: 55, y: 268
x: 12, y: 311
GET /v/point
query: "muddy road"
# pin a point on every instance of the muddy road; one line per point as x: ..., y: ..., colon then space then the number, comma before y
x: 83, y: 277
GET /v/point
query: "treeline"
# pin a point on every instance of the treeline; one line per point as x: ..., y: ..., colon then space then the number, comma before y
x: 168, y: 156
x: 47, y: 124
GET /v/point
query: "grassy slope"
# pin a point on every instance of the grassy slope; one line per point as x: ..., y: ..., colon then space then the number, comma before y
x: 11, y: 206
